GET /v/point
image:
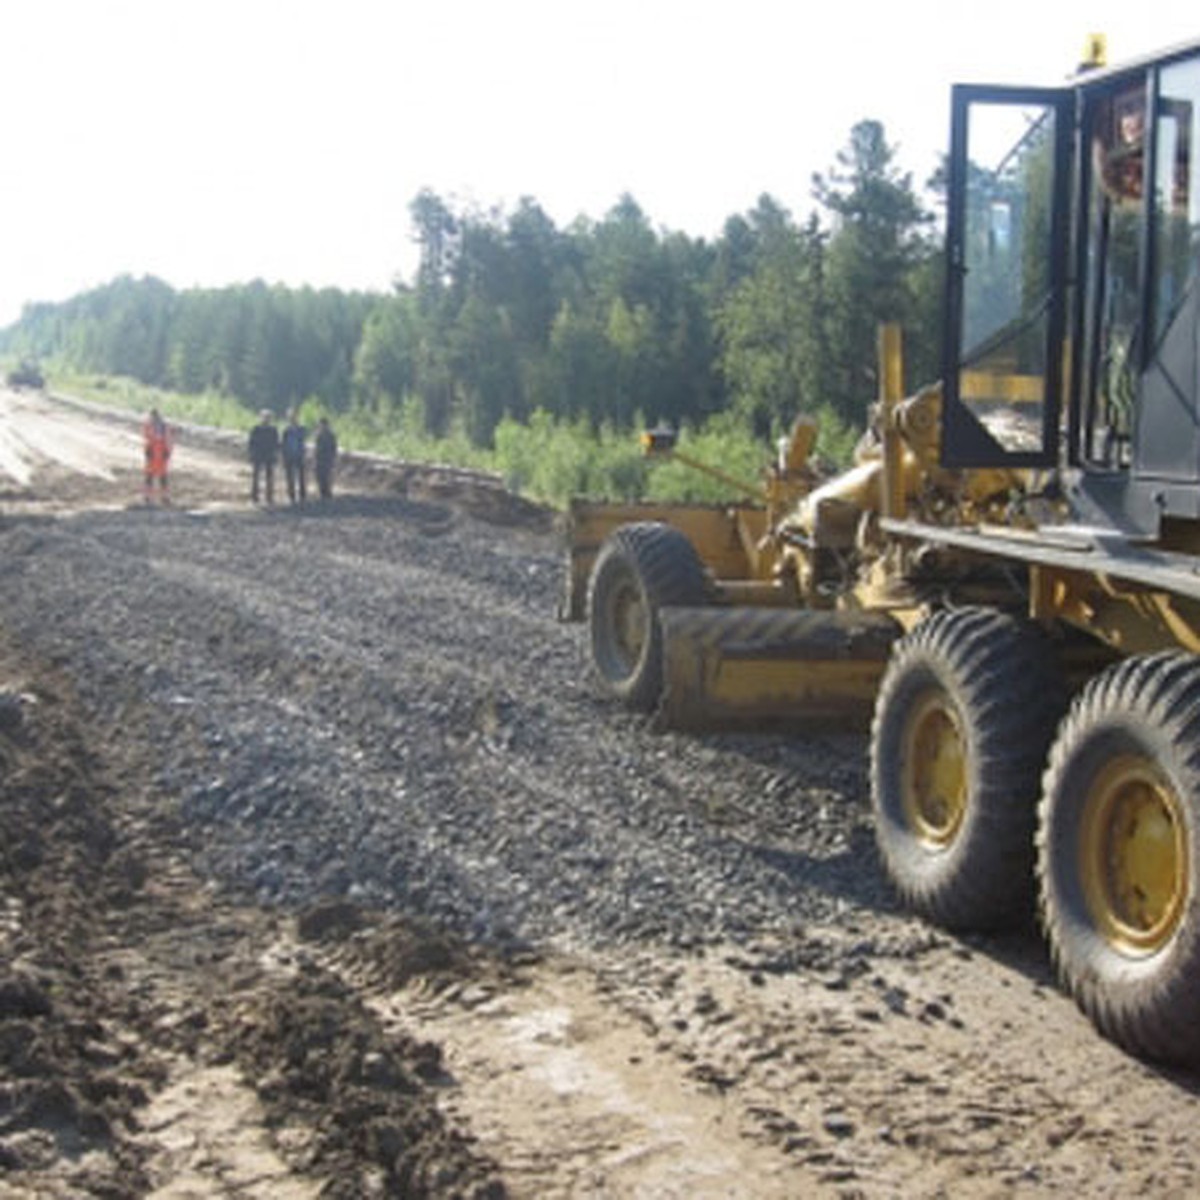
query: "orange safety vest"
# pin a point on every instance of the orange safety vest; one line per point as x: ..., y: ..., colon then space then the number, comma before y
x: 157, y: 438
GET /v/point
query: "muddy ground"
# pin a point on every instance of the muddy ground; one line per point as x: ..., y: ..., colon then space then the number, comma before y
x: 494, y: 938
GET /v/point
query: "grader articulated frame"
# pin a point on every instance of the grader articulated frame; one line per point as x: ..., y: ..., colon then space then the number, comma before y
x: 1007, y: 580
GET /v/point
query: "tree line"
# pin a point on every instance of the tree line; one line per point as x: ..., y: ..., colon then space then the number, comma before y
x: 601, y: 324
x: 265, y: 346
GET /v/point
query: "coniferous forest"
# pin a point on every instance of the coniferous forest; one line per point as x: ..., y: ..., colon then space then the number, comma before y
x: 514, y: 331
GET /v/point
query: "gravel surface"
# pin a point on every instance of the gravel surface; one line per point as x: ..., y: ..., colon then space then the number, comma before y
x: 325, y: 870
x: 342, y: 703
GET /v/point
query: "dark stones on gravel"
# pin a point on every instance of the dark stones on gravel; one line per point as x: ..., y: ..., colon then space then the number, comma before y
x: 348, y: 708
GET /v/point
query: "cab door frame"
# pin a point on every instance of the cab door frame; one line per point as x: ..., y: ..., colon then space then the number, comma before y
x: 966, y: 440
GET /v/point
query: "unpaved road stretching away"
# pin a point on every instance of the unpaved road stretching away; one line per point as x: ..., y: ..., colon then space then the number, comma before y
x: 325, y: 872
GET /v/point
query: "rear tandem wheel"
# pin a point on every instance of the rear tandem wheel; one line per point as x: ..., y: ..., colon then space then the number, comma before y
x: 962, y: 723
x: 1118, y: 855
x: 642, y: 567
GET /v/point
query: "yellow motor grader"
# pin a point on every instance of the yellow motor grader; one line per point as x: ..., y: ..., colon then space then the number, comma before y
x: 1007, y: 580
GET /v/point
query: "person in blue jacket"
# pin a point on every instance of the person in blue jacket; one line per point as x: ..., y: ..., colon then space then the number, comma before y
x: 293, y: 457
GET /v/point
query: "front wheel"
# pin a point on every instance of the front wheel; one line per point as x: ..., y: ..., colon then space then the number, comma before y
x: 964, y: 715
x: 642, y: 567
x: 1118, y: 854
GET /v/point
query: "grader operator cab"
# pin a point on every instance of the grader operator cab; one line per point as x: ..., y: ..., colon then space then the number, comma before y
x: 1007, y: 581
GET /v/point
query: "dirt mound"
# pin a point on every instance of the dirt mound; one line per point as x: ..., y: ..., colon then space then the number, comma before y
x: 476, y: 493
x: 120, y: 975
x: 68, y: 1089
x: 321, y: 1061
x: 397, y: 950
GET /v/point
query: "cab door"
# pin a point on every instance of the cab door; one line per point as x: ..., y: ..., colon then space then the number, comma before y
x: 1167, y: 428
x: 1007, y: 240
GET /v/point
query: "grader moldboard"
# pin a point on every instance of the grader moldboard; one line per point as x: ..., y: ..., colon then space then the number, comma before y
x: 1007, y: 581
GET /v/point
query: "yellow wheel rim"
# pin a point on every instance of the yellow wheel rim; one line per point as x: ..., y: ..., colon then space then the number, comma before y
x: 627, y: 614
x: 935, y: 770
x: 1135, y: 864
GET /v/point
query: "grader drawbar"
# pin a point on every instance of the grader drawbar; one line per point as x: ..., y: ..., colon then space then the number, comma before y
x: 1005, y: 585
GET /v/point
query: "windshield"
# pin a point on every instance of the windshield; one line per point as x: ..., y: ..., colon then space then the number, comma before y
x: 1007, y: 190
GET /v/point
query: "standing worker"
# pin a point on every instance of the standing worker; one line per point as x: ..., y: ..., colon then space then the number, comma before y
x: 156, y: 444
x: 293, y: 457
x: 264, y: 450
x: 326, y: 448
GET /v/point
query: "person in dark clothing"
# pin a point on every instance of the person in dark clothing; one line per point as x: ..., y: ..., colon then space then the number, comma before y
x: 264, y: 450
x: 293, y: 457
x: 326, y: 449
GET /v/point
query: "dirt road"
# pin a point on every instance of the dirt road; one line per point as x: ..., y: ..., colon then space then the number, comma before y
x: 324, y: 871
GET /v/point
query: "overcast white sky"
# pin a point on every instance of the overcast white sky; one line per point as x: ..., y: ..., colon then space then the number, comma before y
x: 217, y: 141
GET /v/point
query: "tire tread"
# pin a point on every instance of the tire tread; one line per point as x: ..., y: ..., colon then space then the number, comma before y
x: 1152, y: 1010
x: 1003, y: 678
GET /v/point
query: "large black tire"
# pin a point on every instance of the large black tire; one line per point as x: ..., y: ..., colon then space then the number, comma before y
x: 964, y: 717
x: 1118, y: 849
x: 641, y: 568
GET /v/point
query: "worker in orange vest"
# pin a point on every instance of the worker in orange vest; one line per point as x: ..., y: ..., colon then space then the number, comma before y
x: 156, y: 439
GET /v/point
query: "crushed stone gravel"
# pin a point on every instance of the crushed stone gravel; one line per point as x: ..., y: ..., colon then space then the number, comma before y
x: 339, y: 703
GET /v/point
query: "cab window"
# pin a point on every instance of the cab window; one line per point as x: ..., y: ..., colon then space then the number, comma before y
x: 1143, y: 257
x: 1176, y: 193
x: 1006, y: 242
x: 1117, y: 127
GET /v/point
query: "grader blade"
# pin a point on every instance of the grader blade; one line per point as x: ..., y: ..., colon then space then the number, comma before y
x: 760, y: 668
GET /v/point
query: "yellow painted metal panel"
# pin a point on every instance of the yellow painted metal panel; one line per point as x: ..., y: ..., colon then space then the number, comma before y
x: 729, y: 668
x: 995, y: 385
x: 718, y: 533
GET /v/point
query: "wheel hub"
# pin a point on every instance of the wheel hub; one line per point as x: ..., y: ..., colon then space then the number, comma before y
x: 935, y: 770
x: 629, y: 622
x: 1135, y: 869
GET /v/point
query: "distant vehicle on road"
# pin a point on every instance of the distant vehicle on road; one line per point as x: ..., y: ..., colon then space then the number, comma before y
x: 25, y: 374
